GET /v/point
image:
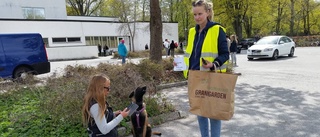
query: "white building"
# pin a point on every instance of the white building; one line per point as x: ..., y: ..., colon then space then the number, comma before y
x: 72, y: 37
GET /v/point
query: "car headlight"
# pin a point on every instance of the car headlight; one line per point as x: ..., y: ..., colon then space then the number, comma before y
x: 268, y: 49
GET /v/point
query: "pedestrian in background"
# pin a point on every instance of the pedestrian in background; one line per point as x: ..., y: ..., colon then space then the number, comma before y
x: 99, y: 49
x: 172, y: 47
x: 167, y: 47
x: 181, y: 46
x: 122, y: 51
x: 233, y: 50
x: 146, y: 47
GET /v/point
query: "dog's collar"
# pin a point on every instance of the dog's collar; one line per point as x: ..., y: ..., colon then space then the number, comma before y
x: 142, y: 109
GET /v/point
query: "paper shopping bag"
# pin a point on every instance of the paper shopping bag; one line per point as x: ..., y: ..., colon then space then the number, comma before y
x: 211, y: 94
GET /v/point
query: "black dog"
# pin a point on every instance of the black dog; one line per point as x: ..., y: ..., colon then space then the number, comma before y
x: 139, y: 119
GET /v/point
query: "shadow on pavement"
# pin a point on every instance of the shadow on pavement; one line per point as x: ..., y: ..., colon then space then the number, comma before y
x: 273, y: 111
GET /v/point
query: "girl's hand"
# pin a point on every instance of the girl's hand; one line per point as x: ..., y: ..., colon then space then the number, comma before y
x: 117, y: 112
x: 125, y: 112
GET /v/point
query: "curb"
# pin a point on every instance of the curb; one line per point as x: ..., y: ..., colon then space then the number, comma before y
x: 170, y: 85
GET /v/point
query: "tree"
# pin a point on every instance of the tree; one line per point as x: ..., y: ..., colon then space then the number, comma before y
x: 292, y: 17
x: 281, y: 4
x: 235, y: 11
x: 83, y: 7
x: 155, y: 31
x: 126, y: 10
x: 184, y: 17
x: 145, y: 4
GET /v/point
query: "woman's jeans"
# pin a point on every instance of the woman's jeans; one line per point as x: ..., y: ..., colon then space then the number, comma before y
x: 215, y: 126
x: 234, y: 58
x: 123, y: 59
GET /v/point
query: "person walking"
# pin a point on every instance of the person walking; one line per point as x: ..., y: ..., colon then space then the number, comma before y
x: 167, y: 47
x: 99, y: 49
x: 122, y: 51
x: 233, y: 50
x: 181, y: 46
x: 146, y: 47
x: 172, y: 47
x: 207, y: 41
x: 97, y: 114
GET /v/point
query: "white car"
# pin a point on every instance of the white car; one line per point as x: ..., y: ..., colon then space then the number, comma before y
x: 271, y: 47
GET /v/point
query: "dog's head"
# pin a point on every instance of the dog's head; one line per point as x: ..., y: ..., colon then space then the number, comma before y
x: 137, y: 95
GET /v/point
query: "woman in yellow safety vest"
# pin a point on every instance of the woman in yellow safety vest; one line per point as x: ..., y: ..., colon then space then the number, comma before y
x: 208, y: 41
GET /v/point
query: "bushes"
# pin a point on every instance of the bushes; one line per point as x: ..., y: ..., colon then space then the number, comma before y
x: 54, y: 107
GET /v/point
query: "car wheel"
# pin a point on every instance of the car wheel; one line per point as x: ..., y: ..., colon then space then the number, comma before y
x: 291, y: 52
x: 21, y: 72
x: 275, y: 54
x: 250, y: 58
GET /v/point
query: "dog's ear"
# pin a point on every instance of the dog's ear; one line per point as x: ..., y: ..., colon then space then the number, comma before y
x: 131, y: 94
x: 144, y: 88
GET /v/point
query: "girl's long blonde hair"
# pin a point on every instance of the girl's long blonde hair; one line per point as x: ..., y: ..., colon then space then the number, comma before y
x: 95, y: 92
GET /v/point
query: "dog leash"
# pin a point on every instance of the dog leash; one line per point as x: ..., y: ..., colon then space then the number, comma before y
x: 137, y: 116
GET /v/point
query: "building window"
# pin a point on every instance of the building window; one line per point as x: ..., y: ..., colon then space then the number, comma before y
x: 74, y: 39
x: 54, y: 40
x: 33, y: 13
x: 66, y: 40
x: 110, y: 41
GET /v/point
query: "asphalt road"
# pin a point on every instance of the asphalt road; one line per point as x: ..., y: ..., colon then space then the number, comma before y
x: 274, y: 98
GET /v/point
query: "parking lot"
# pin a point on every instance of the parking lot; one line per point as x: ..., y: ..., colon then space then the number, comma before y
x: 278, y: 97
x: 274, y: 98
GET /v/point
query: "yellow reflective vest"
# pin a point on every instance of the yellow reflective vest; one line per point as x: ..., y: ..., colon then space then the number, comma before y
x: 209, y: 49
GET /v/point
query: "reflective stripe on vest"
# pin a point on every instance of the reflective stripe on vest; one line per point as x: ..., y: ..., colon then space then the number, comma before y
x: 209, y: 49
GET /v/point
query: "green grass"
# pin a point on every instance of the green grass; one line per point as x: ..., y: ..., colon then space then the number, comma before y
x: 21, y: 115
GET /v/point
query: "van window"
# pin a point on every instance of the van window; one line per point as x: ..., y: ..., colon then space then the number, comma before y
x: 29, y: 43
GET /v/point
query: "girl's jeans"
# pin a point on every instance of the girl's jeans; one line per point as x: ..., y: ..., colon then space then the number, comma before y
x: 215, y: 126
x: 123, y: 59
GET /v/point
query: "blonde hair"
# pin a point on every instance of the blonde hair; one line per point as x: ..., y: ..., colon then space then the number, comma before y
x: 234, y: 38
x: 95, y: 92
x: 208, y: 6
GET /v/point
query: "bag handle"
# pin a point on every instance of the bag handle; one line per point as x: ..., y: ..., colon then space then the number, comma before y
x: 215, y: 68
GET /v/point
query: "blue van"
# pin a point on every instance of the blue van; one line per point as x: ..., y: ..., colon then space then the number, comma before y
x: 22, y: 53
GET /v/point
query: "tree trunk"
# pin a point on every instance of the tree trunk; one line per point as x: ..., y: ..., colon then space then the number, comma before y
x: 248, y: 26
x: 143, y: 10
x: 237, y: 26
x: 308, y: 17
x: 171, y: 11
x: 155, y: 32
x: 278, y: 20
x: 292, y: 18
